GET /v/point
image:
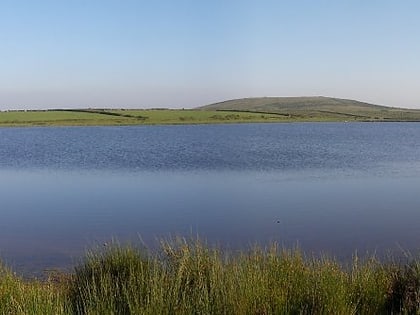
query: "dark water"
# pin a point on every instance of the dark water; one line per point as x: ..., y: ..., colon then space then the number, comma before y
x: 330, y: 187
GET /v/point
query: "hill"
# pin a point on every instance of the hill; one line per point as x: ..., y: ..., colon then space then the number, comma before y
x: 317, y: 108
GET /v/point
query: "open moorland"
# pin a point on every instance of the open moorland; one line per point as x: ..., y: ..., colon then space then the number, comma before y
x: 318, y: 109
x: 187, y: 277
x: 109, y: 117
x: 265, y: 109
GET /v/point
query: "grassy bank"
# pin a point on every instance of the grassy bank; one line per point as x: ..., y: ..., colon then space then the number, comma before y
x: 191, y: 278
x: 129, y: 117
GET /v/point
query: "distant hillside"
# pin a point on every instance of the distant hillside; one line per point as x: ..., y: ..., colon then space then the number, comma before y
x: 317, y: 108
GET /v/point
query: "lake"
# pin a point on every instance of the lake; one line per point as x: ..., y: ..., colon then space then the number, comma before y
x: 330, y: 187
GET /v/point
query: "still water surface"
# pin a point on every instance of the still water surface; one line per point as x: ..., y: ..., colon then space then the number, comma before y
x: 331, y: 187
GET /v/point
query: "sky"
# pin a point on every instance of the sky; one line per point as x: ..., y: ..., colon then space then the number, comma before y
x: 183, y: 54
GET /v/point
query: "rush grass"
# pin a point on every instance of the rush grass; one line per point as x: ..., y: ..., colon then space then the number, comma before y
x: 189, y: 277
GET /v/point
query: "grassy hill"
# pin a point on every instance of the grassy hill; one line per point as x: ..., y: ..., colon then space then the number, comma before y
x: 317, y: 108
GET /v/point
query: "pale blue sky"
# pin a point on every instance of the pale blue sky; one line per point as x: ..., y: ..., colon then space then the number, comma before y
x: 86, y: 53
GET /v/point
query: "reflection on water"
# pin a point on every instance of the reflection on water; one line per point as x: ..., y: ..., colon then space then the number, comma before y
x: 328, y: 187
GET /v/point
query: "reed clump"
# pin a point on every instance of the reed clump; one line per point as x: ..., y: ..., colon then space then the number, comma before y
x: 19, y: 297
x: 189, y: 277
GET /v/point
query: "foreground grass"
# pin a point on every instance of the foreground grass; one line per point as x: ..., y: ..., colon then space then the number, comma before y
x: 23, y: 297
x: 191, y: 278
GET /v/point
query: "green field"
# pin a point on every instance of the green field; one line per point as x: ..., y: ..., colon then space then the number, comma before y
x: 187, y: 277
x: 100, y: 117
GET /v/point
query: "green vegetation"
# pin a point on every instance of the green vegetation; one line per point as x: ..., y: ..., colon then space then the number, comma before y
x: 318, y: 109
x: 265, y: 109
x: 102, y: 117
x: 188, y: 277
x: 20, y: 297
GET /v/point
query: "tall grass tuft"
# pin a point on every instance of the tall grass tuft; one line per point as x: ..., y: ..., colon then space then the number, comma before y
x: 404, y: 293
x: 18, y: 297
x: 113, y: 281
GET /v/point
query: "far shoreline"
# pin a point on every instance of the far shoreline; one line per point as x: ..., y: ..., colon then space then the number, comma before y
x: 154, y: 117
